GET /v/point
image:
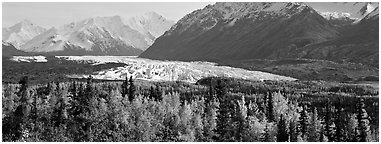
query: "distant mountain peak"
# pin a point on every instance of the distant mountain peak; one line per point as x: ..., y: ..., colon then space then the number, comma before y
x: 335, y: 15
x: 367, y: 8
x: 373, y: 14
x: 21, y: 32
x: 152, y: 14
x: 26, y: 22
x: 150, y: 23
x: 102, y: 35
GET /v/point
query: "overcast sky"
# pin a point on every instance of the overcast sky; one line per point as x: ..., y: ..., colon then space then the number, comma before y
x: 57, y: 14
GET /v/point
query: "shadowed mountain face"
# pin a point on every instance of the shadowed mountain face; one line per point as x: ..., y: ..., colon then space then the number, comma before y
x: 237, y: 31
x: 358, y: 43
x: 242, y: 31
x: 9, y: 50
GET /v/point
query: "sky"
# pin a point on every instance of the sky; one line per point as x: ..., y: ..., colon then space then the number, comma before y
x: 58, y: 13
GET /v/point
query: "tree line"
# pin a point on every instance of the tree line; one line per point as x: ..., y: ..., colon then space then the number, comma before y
x: 130, y: 111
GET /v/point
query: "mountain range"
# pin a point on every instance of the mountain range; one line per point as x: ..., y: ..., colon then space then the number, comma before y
x: 261, y: 30
x: 93, y: 36
x: 220, y: 32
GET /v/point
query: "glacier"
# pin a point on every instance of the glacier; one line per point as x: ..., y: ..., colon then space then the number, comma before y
x: 158, y: 70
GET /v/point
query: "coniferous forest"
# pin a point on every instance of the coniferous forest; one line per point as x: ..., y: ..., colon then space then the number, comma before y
x: 212, y: 110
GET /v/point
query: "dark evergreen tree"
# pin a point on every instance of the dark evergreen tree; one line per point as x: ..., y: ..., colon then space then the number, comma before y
x: 158, y: 93
x: 329, y: 125
x: 270, y: 108
x: 60, y: 113
x: 124, y: 90
x: 341, y: 122
x: 152, y: 93
x: 211, y: 92
x: 210, y: 120
x: 303, y: 121
x: 266, y: 134
x: 131, y: 90
x: 34, y: 114
x: 89, y: 93
x: 220, y: 90
x: 282, y: 134
x: 48, y: 89
x: 293, y: 131
x: 242, y: 128
x: 224, y: 117
x: 322, y: 137
x: 363, y: 122
x: 73, y: 89
x: 313, y: 133
x: 23, y: 110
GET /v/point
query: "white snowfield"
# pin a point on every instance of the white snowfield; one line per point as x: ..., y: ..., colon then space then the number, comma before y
x: 156, y: 70
x: 29, y: 59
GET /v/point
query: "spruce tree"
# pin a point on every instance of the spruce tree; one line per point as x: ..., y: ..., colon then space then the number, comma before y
x: 293, y: 131
x: 210, y: 121
x: 341, y: 121
x: 282, y: 134
x: 89, y: 94
x: 313, y: 132
x: 224, y: 117
x: 329, y: 125
x: 73, y: 89
x: 303, y: 122
x: 363, y: 122
x: 131, y: 90
x: 352, y: 128
x: 158, y: 93
x: 60, y: 111
x: 266, y: 135
x: 211, y: 92
x: 241, y: 119
x: 22, y: 111
x: 152, y: 94
x: 124, y: 90
x: 270, y: 108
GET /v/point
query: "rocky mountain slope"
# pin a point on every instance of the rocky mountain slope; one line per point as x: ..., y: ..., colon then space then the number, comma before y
x: 10, y: 50
x: 21, y: 32
x: 239, y: 31
x: 357, y: 43
x: 232, y: 31
x: 353, y: 12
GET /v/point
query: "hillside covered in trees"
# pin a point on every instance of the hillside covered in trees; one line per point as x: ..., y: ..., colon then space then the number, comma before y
x: 213, y: 109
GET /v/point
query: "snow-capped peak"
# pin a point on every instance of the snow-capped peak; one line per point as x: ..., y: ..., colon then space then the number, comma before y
x: 150, y: 23
x: 102, y: 33
x: 367, y: 8
x: 368, y: 11
x: 21, y: 32
x: 335, y: 15
x: 372, y: 14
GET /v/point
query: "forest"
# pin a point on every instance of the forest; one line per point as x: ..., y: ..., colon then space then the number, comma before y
x: 214, y: 109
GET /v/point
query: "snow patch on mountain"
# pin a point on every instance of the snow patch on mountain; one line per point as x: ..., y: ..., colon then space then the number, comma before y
x: 20, y: 33
x: 150, y: 24
x: 336, y: 15
x: 105, y: 32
